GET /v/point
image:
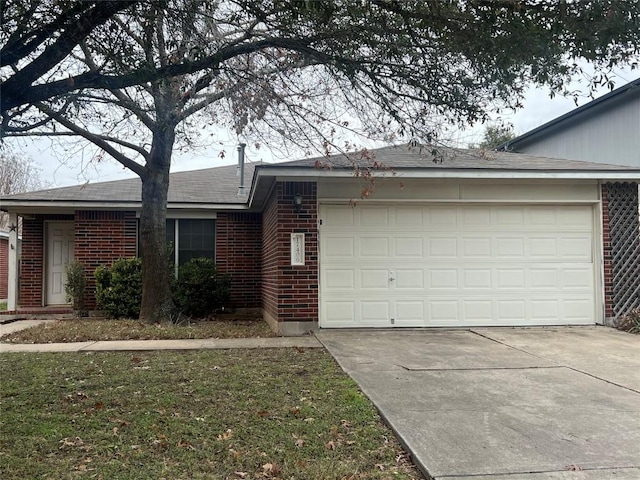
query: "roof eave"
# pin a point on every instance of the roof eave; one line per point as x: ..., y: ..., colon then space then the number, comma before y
x: 93, y: 205
x: 462, y: 173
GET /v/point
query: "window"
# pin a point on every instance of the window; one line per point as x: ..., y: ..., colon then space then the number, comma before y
x: 191, y: 238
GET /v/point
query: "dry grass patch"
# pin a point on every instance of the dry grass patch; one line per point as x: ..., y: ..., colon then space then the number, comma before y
x: 87, y: 330
x: 252, y: 414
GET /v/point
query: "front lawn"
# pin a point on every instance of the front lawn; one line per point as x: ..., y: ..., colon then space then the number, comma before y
x: 92, y: 329
x: 234, y: 414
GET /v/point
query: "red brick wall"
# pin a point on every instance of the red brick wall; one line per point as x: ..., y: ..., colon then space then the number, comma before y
x: 4, y: 267
x: 238, y: 253
x: 290, y: 293
x: 607, y: 257
x: 100, y: 238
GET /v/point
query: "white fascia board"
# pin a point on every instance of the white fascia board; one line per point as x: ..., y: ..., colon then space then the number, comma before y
x: 610, y: 175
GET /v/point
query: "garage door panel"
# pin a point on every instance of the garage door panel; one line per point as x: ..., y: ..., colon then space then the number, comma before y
x: 409, y: 216
x: 375, y: 311
x: 339, y: 279
x: 410, y: 313
x: 409, y: 279
x: 576, y: 278
x: 578, y: 309
x: 578, y: 248
x: 510, y: 248
x: 441, y: 217
x: 476, y: 247
x: 510, y: 278
x: 444, y: 312
x: 337, y: 215
x: 477, y: 278
x: 409, y: 247
x: 511, y: 311
x: 339, y: 313
x: 475, y: 216
x: 443, y: 278
x: 457, y: 265
x: 336, y: 247
x: 374, y: 246
x: 543, y: 248
x: 375, y: 217
x: 510, y: 216
x: 374, y: 278
x: 445, y: 247
x: 544, y: 278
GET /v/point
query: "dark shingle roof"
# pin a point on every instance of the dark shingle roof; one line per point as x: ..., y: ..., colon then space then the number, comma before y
x: 441, y: 158
x: 211, y: 185
x: 220, y: 185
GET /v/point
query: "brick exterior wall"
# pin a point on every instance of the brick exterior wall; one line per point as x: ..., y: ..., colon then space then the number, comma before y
x: 290, y: 293
x: 4, y: 267
x: 239, y: 253
x: 101, y: 237
x: 606, y: 255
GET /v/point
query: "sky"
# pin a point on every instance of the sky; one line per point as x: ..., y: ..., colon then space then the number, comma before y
x: 60, y: 169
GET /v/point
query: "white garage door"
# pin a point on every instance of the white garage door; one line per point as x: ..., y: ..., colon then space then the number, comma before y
x: 403, y: 265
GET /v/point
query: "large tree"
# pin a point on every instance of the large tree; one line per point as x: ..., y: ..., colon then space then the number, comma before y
x: 138, y: 79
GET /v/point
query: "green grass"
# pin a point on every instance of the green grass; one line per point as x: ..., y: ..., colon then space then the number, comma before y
x: 3, y: 306
x: 84, y: 330
x: 273, y: 413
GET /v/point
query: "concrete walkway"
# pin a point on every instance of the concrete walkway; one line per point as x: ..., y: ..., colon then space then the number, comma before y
x: 555, y: 403
x: 149, y: 345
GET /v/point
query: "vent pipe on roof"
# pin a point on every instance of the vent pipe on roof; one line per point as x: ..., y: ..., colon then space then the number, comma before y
x: 241, y: 189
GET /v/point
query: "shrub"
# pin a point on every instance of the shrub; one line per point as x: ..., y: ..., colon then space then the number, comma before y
x: 200, y: 289
x: 119, y: 288
x: 76, y: 286
x: 630, y: 322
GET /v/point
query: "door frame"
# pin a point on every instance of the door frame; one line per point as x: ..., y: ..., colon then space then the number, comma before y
x: 45, y: 256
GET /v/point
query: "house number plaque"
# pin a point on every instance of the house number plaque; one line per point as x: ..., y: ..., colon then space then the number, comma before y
x: 297, y: 249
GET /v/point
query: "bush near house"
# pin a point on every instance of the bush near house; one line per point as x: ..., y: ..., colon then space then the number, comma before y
x: 76, y: 286
x: 119, y: 288
x: 199, y: 289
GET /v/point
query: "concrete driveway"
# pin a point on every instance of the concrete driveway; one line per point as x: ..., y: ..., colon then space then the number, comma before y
x: 559, y: 403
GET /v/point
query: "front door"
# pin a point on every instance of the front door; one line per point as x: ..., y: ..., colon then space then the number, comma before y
x: 59, y: 255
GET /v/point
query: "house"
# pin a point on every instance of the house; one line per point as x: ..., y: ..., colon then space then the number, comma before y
x: 605, y: 130
x: 475, y: 239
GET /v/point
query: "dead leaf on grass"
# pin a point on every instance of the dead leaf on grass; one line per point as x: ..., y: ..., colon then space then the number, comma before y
x: 263, y: 413
x: 299, y: 442
x: 271, y: 469
x: 330, y: 445
x: 241, y: 474
x: 226, y: 435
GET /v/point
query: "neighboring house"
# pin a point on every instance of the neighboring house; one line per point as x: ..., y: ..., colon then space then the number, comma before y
x: 502, y: 239
x: 605, y: 130
x: 5, y: 247
x: 4, y: 265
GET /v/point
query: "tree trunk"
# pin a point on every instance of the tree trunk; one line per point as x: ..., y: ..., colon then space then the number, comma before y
x: 157, y: 304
